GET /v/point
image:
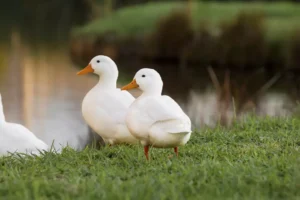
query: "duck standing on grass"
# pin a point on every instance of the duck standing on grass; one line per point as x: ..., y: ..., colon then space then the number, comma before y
x: 154, y: 119
x: 105, y: 106
x: 15, y: 138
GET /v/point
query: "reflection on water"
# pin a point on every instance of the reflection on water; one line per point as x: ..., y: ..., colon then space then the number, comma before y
x: 203, y: 107
x: 40, y: 89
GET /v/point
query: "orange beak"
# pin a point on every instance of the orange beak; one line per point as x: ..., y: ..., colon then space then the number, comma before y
x: 131, y: 85
x: 87, y: 69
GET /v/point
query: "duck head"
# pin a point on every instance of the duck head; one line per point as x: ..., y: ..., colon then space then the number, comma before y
x: 100, y: 65
x: 148, y: 80
x: 103, y: 66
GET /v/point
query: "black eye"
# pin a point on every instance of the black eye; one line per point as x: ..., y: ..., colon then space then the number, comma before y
x: 143, y: 75
x: 98, y: 61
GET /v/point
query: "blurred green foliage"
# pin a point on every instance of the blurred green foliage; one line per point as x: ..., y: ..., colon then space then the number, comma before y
x: 280, y: 17
x: 239, y: 35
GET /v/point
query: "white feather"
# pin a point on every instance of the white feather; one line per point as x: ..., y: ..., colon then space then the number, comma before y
x: 15, y: 138
x: 104, y: 108
x: 154, y: 119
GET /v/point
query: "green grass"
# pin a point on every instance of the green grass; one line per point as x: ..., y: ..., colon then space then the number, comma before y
x: 281, y: 18
x: 256, y: 160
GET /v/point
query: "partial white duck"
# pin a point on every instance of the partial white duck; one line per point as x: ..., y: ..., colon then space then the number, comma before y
x: 105, y: 106
x: 15, y: 138
x: 154, y: 119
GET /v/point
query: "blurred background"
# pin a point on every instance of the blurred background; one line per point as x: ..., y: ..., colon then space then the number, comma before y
x: 221, y: 60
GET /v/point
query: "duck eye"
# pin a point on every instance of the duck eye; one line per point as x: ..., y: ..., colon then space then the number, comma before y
x: 98, y: 61
x: 143, y: 75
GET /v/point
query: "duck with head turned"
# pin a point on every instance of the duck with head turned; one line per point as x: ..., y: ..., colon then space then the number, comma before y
x: 155, y: 119
x: 105, y: 106
x: 15, y: 138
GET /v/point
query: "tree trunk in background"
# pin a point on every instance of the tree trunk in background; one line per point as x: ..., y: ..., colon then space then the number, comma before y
x: 109, y: 5
x: 189, y: 8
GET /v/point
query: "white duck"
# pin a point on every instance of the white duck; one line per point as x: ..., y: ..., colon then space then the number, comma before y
x: 154, y: 119
x: 105, y: 106
x: 15, y: 138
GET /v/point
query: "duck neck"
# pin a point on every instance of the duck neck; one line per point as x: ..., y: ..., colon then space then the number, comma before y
x: 154, y: 91
x: 2, y: 117
x: 108, y: 80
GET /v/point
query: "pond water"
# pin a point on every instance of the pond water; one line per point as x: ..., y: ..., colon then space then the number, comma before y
x: 40, y: 90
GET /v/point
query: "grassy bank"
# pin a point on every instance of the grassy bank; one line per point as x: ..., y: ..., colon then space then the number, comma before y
x: 141, y: 19
x: 255, y: 160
